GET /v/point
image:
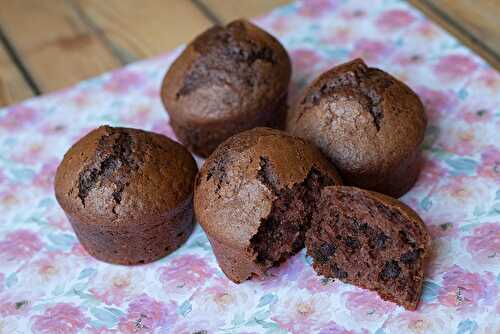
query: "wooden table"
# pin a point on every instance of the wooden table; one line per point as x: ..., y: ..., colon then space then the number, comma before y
x: 49, y: 44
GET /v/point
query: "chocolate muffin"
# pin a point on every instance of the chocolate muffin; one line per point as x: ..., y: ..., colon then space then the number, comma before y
x: 127, y: 194
x: 253, y: 197
x: 368, y: 123
x: 229, y: 79
x: 370, y: 240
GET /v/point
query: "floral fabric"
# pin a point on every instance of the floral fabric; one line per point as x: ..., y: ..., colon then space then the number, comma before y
x: 49, y: 284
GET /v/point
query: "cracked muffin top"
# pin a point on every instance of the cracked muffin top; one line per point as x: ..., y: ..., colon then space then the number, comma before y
x: 122, y: 174
x: 239, y: 182
x: 370, y: 124
x: 226, y: 72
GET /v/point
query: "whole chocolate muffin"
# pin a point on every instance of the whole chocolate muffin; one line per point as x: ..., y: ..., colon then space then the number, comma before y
x: 368, y: 123
x: 370, y: 240
x: 127, y: 194
x: 253, y: 197
x: 229, y: 79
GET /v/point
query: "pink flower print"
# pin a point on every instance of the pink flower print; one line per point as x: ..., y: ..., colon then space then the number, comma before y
x: 474, y: 114
x: 17, y: 117
x: 121, y: 81
x: 394, y: 19
x: 333, y: 328
x: 423, y: 321
x: 147, y: 315
x: 285, y: 274
x: 340, y: 35
x: 454, y: 67
x: 278, y: 25
x: 353, y: 14
x: 445, y: 229
x: 63, y: 318
x: 427, y: 30
x: 187, y: 271
x: 13, y: 305
x: 405, y: 59
x: 489, y: 80
x: 490, y: 163
x: 45, y: 177
x: 152, y: 91
x: 31, y: 154
x: 58, y: 222
x: 304, y: 59
x: 301, y: 314
x: 370, y: 50
x: 367, y: 305
x: 315, y: 283
x: 484, y: 243
x: 19, y: 245
x: 9, y: 196
x: 117, y: 284
x: 462, y: 289
x: 78, y: 250
x: 102, y: 330
x: 52, y: 129
x: 2, y: 279
x: 436, y: 102
x: 316, y: 8
x: 137, y: 116
x: 432, y: 171
x: 461, y: 141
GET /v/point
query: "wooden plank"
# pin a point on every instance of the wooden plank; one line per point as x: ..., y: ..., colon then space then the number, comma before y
x: 13, y: 87
x: 55, y: 44
x: 227, y: 11
x: 146, y: 28
x: 474, y: 23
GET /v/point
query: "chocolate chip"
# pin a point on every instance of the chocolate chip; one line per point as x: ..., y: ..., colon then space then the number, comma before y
x: 323, y: 253
x: 391, y: 270
x: 410, y: 256
x: 327, y: 249
x: 352, y: 243
x: 380, y: 240
x: 338, y: 272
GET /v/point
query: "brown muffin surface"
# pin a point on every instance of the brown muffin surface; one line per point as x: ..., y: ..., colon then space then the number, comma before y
x: 253, y: 198
x: 229, y: 79
x: 127, y: 194
x: 368, y: 123
x: 370, y: 240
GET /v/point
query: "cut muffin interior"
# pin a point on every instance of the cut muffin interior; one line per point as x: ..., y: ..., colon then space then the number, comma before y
x: 369, y: 240
x: 282, y: 233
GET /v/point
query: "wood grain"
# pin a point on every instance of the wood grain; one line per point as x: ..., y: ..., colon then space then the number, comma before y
x: 13, y: 87
x: 476, y: 23
x: 138, y: 29
x: 61, y: 42
x: 55, y: 44
x: 226, y: 10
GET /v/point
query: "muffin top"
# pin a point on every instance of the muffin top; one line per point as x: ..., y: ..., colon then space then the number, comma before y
x: 224, y: 72
x: 238, y: 183
x: 122, y: 174
x: 361, y: 117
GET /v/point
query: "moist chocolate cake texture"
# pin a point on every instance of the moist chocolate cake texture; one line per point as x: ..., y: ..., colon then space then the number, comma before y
x: 368, y: 123
x: 127, y: 194
x: 369, y: 240
x: 254, y: 195
x: 229, y: 79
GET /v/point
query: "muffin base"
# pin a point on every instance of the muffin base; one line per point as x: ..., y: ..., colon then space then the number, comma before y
x: 131, y: 244
x: 395, y: 182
